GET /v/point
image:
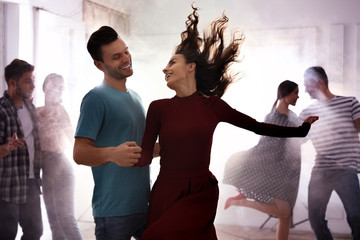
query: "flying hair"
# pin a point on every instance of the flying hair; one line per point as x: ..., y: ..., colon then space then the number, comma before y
x: 210, y: 53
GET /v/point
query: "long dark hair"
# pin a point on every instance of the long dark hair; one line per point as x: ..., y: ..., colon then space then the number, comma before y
x: 211, y: 56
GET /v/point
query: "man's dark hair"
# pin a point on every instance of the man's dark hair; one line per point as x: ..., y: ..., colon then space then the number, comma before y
x: 103, y: 36
x: 16, y: 69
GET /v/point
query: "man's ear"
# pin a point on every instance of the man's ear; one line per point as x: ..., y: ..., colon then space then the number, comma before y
x: 99, y: 65
x: 320, y: 84
x: 11, y: 82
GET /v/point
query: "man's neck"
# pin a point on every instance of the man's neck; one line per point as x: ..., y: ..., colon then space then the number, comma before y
x: 326, y: 96
x: 16, y: 98
x: 118, y: 84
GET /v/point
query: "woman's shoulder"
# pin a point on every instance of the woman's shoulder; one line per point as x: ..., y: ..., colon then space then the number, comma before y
x: 160, y: 103
x: 192, y: 99
x: 275, y: 116
x: 39, y: 109
x: 292, y: 114
x: 211, y: 99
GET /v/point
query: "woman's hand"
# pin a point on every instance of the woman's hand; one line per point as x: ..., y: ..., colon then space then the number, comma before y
x: 311, y: 119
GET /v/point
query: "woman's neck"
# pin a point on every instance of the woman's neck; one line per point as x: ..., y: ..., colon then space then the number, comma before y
x: 184, y: 93
x: 283, y: 107
x: 49, y: 101
x: 186, y: 90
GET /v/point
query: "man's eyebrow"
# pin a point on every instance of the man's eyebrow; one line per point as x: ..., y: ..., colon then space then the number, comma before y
x: 120, y: 53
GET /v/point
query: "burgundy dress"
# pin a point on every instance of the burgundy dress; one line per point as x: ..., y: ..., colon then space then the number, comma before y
x: 183, y: 200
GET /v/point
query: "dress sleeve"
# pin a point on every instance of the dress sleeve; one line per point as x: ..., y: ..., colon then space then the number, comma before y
x: 227, y: 114
x: 151, y: 133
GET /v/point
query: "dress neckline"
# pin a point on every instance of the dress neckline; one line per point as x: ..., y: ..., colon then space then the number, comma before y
x: 187, y: 98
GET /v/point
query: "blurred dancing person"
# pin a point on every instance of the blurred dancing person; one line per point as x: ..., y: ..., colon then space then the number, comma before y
x: 19, y: 155
x: 269, y: 173
x: 56, y: 135
x: 336, y: 140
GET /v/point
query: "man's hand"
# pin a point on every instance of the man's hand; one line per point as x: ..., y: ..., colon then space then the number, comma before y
x: 125, y: 155
x: 15, y: 142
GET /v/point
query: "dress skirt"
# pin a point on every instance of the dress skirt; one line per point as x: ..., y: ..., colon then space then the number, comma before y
x: 263, y: 174
x: 270, y: 169
x: 184, y: 206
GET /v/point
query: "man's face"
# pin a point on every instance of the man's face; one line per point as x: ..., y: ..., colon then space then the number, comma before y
x: 117, y: 60
x: 312, y: 87
x: 25, y: 85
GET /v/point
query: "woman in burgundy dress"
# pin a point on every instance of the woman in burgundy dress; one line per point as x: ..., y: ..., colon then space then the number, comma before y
x: 184, y: 198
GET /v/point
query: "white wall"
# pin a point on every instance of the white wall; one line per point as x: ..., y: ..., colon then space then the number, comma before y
x: 282, y: 39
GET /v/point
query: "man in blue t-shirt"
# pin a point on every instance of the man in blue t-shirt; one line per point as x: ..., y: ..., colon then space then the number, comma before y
x: 108, y: 135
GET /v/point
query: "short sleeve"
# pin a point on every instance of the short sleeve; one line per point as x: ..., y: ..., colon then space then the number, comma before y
x: 355, y: 109
x: 91, y: 116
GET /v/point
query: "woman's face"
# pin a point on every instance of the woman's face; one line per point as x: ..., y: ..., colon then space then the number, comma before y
x: 292, y: 97
x: 54, y: 89
x: 177, y: 71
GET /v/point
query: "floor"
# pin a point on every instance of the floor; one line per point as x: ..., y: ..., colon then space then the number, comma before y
x: 224, y: 232
x: 231, y: 232
x: 228, y: 232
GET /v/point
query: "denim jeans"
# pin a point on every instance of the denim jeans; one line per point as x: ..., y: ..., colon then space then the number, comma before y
x: 120, y: 228
x: 28, y: 215
x: 58, y: 191
x: 346, y: 184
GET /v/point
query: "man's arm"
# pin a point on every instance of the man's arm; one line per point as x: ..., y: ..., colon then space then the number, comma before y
x: 4, y: 150
x: 85, y: 153
x: 357, y: 124
x: 156, y: 150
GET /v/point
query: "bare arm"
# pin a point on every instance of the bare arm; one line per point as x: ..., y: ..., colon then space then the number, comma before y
x: 69, y: 131
x: 357, y: 124
x: 85, y: 153
x: 156, y: 150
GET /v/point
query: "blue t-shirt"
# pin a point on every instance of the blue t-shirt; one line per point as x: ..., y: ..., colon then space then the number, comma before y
x: 111, y: 117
